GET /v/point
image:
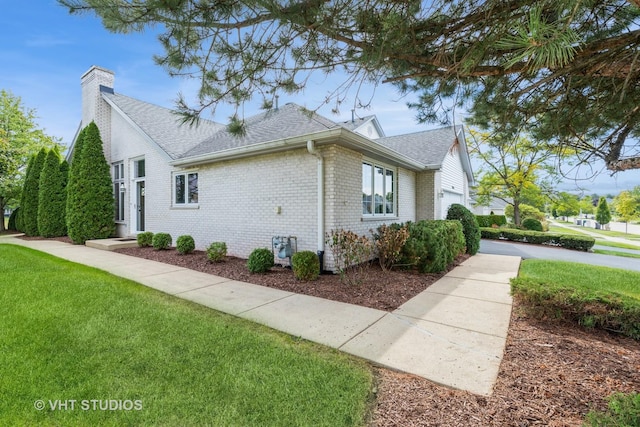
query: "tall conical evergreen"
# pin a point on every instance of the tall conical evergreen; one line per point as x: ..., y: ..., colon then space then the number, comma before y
x: 603, y: 214
x: 30, y: 195
x: 72, y: 182
x: 90, y: 201
x: 52, y: 201
x: 23, y: 197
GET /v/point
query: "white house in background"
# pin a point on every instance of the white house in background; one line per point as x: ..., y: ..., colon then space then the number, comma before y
x: 291, y: 174
x: 495, y: 206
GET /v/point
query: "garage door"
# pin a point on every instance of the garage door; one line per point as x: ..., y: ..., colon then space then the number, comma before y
x: 448, y: 199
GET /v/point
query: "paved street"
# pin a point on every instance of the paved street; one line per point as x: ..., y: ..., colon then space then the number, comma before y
x: 526, y: 251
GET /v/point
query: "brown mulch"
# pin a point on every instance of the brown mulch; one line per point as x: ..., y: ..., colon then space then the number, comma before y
x: 552, y: 374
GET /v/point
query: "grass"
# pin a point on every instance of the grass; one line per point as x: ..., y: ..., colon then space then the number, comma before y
x: 593, y: 296
x: 615, y: 253
x: 70, y: 332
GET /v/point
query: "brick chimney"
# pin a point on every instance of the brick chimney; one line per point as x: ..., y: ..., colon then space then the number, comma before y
x: 93, y: 82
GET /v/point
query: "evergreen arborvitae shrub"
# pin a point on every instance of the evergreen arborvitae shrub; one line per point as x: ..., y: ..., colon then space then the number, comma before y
x: 260, y: 260
x: 30, y: 194
x: 72, y: 181
x: 91, y: 214
x: 11, y: 226
x: 185, y: 245
x: 217, y: 251
x: 145, y: 239
x: 52, y: 201
x: 470, y: 226
x: 532, y: 224
x: 161, y: 241
x: 603, y: 214
x: 306, y: 265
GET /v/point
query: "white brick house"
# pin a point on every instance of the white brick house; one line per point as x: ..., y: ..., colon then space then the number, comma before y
x: 291, y: 173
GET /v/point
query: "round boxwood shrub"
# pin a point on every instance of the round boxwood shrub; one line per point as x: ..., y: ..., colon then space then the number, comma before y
x: 532, y: 224
x: 185, y: 245
x: 145, y: 239
x: 470, y: 226
x: 161, y: 241
x: 217, y: 251
x: 306, y: 265
x: 260, y: 260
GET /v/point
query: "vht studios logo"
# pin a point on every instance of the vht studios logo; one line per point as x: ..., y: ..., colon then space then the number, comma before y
x: 88, y: 405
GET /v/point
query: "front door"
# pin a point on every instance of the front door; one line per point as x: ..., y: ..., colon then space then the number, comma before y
x: 140, y: 206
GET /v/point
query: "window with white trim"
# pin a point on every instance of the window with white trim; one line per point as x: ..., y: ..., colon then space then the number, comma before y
x: 118, y: 190
x: 185, y: 189
x: 378, y: 190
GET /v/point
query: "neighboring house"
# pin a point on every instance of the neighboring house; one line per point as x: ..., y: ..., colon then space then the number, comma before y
x: 495, y: 206
x: 293, y: 173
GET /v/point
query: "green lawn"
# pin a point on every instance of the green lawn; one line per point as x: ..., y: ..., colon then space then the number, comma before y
x: 582, y: 276
x: 70, y: 332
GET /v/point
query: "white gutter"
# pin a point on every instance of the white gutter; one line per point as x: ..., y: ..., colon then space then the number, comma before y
x: 311, y: 148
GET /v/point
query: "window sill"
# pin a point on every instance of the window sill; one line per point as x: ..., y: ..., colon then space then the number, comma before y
x: 186, y: 206
x: 379, y: 218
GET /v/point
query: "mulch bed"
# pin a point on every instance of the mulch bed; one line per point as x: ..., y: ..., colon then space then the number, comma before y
x: 552, y: 373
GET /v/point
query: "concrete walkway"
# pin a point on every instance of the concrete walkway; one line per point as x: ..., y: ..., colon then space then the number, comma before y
x: 453, y: 333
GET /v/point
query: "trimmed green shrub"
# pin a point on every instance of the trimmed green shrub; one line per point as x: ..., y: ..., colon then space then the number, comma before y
x: 30, y: 194
x: 432, y: 245
x: 490, y: 233
x: 532, y: 224
x: 11, y: 225
x: 491, y: 220
x: 145, y: 239
x: 580, y: 243
x: 306, y: 265
x: 260, y: 260
x: 90, y: 211
x: 217, y: 251
x: 161, y: 241
x: 52, y: 200
x: 185, y: 244
x: 470, y: 226
x: 623, y: 410
x: 602, y: 310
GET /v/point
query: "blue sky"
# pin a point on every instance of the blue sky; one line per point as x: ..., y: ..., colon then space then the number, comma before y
x: 44, y: 50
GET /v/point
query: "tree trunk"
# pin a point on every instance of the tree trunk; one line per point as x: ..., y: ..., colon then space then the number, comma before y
x: 2, y: 206
x: 516, y: 212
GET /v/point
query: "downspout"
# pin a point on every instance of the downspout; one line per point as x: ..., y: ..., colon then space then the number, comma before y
x: 311, y: 148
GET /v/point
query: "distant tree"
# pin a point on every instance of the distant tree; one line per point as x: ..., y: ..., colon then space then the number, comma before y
x: 586, y: 205
x: 566, y: 204
x: 52, y: 200
x: 512, y: 170
x: 626, y: 206
x: 20, y: 139
x: 30, y: 194
x: 603, y: 214
x: 91, y: 216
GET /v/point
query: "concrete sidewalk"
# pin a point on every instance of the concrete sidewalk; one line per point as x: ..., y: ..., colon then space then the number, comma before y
x: 453, y: 333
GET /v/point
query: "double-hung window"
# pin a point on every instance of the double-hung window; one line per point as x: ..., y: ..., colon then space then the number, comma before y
x: 378, y: 190
x: 118, y: 190
x: 185, y: 186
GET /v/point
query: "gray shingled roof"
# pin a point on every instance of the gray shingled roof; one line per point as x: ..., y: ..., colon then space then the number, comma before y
x: 287, y: 121
x: 358, y: 121
x: 429, y: 147
x: 162, y: 125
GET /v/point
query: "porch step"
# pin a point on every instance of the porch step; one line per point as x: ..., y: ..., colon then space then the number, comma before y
x: 112, y: 244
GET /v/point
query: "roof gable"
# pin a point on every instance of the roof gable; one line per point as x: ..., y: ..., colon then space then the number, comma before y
x: 162, y: 125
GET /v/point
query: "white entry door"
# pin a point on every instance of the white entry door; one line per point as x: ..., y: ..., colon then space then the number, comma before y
x: 449, y: 199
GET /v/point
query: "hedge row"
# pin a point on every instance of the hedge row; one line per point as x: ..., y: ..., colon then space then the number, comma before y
x: 601, y: 310
x: 580, y: 243
x: 491, y: 220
